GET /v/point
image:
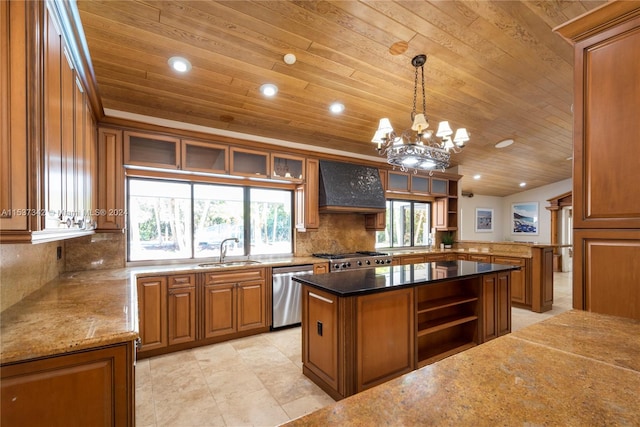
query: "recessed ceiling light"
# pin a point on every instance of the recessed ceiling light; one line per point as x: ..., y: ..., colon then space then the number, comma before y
x: 477, y: 176
x: 269, y: 89
x: 523, y: 184
x: 289, y: 59
x: 336, y: 108
x: 504, y: 143
x: 179, y: 64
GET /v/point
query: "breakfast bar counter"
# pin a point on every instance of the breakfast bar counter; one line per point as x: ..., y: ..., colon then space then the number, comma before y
x: 575, y: 369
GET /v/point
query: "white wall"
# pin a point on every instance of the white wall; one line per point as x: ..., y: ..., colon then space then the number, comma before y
x: 502, y: 213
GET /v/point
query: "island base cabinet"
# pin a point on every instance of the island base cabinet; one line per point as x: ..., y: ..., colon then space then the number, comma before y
x: 496, y: 303
x: 91, y: 388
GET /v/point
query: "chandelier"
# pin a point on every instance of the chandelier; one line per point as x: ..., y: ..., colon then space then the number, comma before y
x: 418, y: 148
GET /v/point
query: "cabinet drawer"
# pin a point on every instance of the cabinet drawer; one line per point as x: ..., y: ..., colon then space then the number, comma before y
x: 479, y: 258
x: 182, y: 281
x: 234, y: 276
x: 508, y: 260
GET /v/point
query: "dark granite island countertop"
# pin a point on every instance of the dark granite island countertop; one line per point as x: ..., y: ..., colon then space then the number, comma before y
x: 372, y: 280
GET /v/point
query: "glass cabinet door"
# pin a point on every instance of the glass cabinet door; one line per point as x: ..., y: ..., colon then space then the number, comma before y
x: 287, y: 167
x: 249, y: 163
x: 151, y: 150
x: 205, y: 157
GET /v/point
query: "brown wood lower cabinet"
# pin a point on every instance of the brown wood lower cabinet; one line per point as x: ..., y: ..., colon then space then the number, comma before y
x: 88, y: 388
x: 183, y: 311
x: 352, y: 343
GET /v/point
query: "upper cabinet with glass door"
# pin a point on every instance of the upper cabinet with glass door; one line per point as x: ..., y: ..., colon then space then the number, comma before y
x: 151, y: 150
x: 249, y: 163
x: 287, y: 167
x: 205, y: 157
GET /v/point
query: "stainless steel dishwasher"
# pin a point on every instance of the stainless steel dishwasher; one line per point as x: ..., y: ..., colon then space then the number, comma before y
x: 287, y: 298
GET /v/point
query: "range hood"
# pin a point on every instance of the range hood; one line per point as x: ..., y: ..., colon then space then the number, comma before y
x: 346, y: 188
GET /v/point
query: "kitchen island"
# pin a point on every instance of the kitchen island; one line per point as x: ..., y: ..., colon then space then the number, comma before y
x: 364, y: 327
x: 574, y: 369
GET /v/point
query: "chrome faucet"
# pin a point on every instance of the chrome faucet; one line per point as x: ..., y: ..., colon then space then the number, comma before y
x: 223, y: 248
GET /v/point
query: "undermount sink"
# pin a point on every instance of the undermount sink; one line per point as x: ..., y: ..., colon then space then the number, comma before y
x: 228, y: 264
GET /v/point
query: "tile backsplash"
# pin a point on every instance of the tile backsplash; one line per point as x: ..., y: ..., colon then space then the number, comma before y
x: 337, y: 233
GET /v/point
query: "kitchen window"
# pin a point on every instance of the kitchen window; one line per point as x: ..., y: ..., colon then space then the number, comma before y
x: 184, y: 220
x: 408, y: 224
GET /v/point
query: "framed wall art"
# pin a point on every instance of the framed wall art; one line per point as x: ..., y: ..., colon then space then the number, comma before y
x: 484, y: 220
x: 524, y: 218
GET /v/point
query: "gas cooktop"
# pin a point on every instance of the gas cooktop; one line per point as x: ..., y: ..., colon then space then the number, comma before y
x: 354, y: 260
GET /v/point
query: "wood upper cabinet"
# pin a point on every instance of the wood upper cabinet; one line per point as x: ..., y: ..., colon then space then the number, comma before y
x: 307, y: 194
x: 45, y: 154
x: 88, y: 388
x: 445, y: 209
x: 200, y: 156
x: 288, y: 167
x: 110, y: 208
x: 152, y: 312
x: 151, y: 150
x: 251, y: 163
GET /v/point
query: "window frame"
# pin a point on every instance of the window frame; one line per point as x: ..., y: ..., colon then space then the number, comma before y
x: 389, y: 213
x: 246, y: 185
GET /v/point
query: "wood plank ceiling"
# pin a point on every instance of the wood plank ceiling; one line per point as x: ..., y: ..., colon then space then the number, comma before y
x: 494, y: 67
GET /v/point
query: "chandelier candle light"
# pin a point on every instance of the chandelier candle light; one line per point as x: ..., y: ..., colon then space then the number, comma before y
x: 417, y: 148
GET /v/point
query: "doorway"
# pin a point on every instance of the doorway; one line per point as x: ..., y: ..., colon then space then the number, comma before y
x: 566, y: 233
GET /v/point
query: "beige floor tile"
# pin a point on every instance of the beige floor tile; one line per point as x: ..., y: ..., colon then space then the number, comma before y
x: 258, y: 408
x: 256, y: 380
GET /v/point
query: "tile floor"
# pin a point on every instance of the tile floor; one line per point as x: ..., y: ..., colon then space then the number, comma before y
x: 254, y: 381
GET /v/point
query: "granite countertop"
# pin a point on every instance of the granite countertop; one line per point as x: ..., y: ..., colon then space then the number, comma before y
x: 88, y: 309
x: 380, y: 279
x: 74, y: 312
x: 577, y: 368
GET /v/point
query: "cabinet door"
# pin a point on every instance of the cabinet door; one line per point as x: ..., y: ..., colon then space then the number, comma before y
x: 205, y: 157
x: 110, y: 181
x: 385, y: 337
x: 249, y: 163
x: 440, y: 214
x: 288, y: 167
x: 606, y: 272
x: 420, y: 184
x: 398, y: 182
x: 53, y: 160
x: 489, y: 307
x: 606, y: 173
x: 182, y: 309
x: 251, y: 305
x: 518, y: 283
x: 412, y: 259
x: 151, y: 150
x: 504, y: 303
x: 80, y: 154
x: 90, y: 388
x: 307, y: 214
x: 220, y: 309
x: 68, y: 84
x: 152, y: 310
x: 320, y: 335
x: 439, y: 187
